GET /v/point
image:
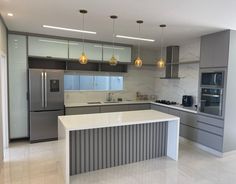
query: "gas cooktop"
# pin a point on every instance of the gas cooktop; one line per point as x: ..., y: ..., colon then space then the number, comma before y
x: 167, y: 102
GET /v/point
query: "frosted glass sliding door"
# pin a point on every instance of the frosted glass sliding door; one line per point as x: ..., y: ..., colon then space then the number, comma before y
x: 17, y: 86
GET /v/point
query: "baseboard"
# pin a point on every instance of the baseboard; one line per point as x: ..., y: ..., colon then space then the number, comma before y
x: 19, y: 139
x: 204, y: 148
x: 43, y: 140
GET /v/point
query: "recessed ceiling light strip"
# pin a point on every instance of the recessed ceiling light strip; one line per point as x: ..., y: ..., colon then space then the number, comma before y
x: 69, y: 29
x: 135, y: 38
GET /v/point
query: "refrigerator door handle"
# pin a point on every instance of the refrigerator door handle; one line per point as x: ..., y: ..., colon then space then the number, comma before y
x: 45, y: 89
x: 42, y: 88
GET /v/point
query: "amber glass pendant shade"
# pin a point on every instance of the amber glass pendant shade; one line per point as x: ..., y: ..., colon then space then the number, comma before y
x: 161, y: 63
x: 138, y: 62
x: 83, y: 59
x: 113, y: 61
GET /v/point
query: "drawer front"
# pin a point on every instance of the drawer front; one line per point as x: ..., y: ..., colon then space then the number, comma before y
x: 133, y: 107
x: 174, y: 112
x: 188, y: 118
x: 211, y: 121
x: 114, y: 108
x: 82, y: 110
x: 209, y: 128
x: 202, y: 137
x: 160, y: 108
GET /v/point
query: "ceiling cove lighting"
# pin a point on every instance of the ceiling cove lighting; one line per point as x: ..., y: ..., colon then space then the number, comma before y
x: 83, y: 58
x: 69, y: 29
x: 135, y: 38
x: 10, y: 14
x: 161, y: 62
x: 138, y: 62
x: 113, y: 61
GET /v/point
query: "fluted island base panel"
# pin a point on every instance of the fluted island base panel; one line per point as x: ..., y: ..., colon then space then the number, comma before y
x: 101, y: 148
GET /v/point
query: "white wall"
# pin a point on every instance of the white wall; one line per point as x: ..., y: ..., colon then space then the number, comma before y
x: 174, y: 89
x: 3, y: 49
x: 141, y: 80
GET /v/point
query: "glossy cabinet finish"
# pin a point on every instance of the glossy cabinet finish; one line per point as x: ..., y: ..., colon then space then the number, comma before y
x: 215, y: 50
x: 122, y: 53
x: 92, y: 50
x: 82, y: 110
x: 201, y: 129
x: 114, y: 108
x: 17, y: 67
x: 133, y: 107
x: 47, y: 47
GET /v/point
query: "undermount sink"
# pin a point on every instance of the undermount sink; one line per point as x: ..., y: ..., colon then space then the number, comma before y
x: 94, y: 102
x: 111, y: 102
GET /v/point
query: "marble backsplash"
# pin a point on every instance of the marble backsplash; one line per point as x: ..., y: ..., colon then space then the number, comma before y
x: 174, y: 89
x: 136, y: 80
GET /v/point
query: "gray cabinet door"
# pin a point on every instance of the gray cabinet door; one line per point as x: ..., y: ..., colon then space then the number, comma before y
x: 174, y: 112
x: 114, y: 108
x: 159, y: 108
x: 215, y: 50
x: 205, y: 138
x: 133, y: 107
x: 188, y: 118
x: 82, y: 110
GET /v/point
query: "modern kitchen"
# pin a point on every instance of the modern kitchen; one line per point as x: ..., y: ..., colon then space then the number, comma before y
x: 93, y: 92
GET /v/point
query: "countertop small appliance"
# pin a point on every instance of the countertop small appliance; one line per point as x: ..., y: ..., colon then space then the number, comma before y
x: 187, y: 101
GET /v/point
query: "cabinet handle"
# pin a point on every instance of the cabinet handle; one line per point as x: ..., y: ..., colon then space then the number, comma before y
x: 42, y: 89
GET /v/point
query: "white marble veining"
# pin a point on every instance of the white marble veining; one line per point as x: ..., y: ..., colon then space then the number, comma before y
x: 137, y: 79
x: 174, y: 89
x: 112, y: 119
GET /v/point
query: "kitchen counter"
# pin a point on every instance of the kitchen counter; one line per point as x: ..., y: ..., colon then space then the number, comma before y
x: 103, y: 138
x: 86, y: 104
x: 177, y: 107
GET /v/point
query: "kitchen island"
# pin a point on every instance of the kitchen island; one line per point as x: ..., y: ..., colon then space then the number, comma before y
x: 103, y: 140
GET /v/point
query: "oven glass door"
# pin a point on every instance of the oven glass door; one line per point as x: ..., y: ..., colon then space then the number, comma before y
x: 211, y: 101
x: 212, y: 79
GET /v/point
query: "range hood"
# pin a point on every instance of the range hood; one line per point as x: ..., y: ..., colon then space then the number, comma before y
x: 172, y: 63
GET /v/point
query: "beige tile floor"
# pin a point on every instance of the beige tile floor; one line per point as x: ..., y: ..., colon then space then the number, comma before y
x: 37, y: 163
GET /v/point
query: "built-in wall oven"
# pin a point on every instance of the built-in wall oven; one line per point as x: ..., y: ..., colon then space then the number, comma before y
x: 212, y: 92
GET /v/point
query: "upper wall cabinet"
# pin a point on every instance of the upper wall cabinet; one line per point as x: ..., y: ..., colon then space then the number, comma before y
x: 92, y: 50
x: 47, y: 47
x: 215, y: 50
x: 17, y: 68
x: 122, y: 53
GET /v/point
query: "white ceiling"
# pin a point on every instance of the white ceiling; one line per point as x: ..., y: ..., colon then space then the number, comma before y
x: 185, y: 19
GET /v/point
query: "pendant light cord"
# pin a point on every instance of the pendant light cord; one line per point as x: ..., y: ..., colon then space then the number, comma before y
x: 113, y: 37
x: 83, y: 33
x: 139, y: 40
x: 161, y: 41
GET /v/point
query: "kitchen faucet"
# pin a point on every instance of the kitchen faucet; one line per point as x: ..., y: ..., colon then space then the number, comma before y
x: 109, y: 97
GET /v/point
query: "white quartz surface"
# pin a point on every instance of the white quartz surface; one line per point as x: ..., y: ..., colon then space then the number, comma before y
x: 101, y: 120
x: 77, y: 104
x: 178, y: 107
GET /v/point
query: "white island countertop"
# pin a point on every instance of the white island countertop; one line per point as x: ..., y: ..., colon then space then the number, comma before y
x: 112, y: 119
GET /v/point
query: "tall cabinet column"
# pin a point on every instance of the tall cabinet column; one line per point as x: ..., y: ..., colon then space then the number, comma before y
x: 18, y: 113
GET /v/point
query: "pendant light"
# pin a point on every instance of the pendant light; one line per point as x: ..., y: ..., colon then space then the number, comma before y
x: 161, y: 62
x: 83, y: 58
x: 113, y: 60
x: 138, y: 62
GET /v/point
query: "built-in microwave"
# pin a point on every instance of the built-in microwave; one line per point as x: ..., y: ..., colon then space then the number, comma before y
x: 212, y: 79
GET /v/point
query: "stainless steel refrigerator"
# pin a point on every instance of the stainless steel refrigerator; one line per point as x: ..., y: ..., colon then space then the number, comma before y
x: 46, y: 95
